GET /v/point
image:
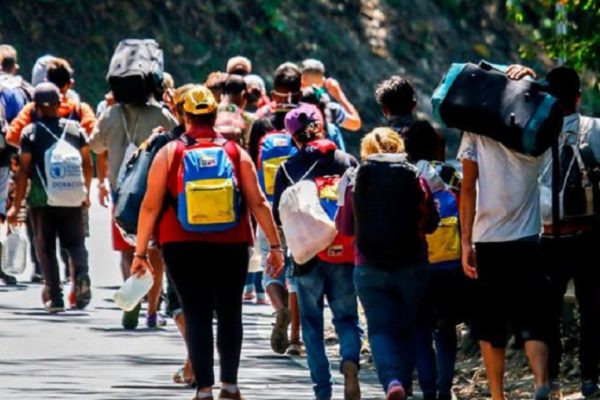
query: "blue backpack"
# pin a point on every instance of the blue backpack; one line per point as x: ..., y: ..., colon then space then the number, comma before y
x: 274, y: 149
x: 208, y: 195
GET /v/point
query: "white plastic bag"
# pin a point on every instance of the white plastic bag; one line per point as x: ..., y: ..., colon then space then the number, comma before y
x: 133, y: 290
x: 307, y: 228
x: 14, y: 252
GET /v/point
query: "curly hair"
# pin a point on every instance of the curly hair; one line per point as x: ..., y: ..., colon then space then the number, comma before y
x: 397, y: 95
x: 381, y: 140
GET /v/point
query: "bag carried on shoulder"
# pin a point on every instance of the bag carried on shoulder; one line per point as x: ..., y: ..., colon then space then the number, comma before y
x: 208, y: 194
x: 387, y: 200
x: 274, y: 149
x: 307, y: 228
x: 136, y: 71
x: 63, y: 176
x: 481, y: 99
x: 230, y: 122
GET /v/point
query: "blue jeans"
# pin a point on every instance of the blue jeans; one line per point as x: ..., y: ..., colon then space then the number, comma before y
x: 436, y: 368
x: 335, y: 282
x: 391, y: 299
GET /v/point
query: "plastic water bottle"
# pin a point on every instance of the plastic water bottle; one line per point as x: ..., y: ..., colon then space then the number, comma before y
x: 14, y: 252
x: 133, y: 290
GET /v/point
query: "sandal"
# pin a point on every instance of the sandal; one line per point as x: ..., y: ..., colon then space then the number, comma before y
x: 179, y: 378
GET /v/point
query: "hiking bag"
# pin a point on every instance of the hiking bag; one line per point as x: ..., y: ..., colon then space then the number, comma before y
x: 481, y: 99
x: 230, y: 122
x: 341, y: 251
x: 307, y: 228
x: 387, y: 200
x: 209, y: 198
x: 136, y: 71
x: 274, y: 149
x: 63, y: 178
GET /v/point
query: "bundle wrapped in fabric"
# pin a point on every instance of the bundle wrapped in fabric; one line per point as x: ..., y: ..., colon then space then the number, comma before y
x: 482, y: 99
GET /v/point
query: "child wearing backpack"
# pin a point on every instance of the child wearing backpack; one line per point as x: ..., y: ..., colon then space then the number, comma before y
x: 56, y: 156
x: 390, y: 209
x: 304, y: 204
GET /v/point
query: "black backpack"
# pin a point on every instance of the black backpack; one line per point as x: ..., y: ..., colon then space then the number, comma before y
x: 136, y: 71
x: 387, y: 199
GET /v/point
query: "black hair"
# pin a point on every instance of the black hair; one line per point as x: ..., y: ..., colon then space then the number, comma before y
x: 318, y: 97
x: 397, y: 95
x: 59, y: 72
x: 565, y: 85
x: 422, y: 142
x: 288, y: 76
x: 234, y: 85
x: 202, y: 119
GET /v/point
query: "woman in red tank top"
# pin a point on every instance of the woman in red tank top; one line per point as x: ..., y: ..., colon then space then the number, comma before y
x: 208, y: 269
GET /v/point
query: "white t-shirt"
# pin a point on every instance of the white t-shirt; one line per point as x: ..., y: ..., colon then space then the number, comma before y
x: 508, y: 205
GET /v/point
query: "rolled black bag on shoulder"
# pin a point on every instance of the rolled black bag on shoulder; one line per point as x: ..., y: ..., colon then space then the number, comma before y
x: 480, y: 98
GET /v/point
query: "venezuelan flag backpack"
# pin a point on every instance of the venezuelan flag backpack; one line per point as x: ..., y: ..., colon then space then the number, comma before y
x: 208, y: 194
x: 274, y: 149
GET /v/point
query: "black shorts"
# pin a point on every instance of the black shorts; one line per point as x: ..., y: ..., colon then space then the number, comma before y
x: 512, y: 293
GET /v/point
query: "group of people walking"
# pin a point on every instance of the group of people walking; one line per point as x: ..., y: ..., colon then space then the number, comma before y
x: 243, y: 179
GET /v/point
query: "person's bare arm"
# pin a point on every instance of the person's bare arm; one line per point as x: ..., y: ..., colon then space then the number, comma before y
x: 353, y: 121
x: 102, y: 173
x: 88, y: 172
x: 468, y: 201
x: 150, y: 210
x: 25, y: 160
x: 260, y: 208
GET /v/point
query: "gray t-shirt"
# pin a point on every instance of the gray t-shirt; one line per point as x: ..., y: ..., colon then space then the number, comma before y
x: 123, y: 126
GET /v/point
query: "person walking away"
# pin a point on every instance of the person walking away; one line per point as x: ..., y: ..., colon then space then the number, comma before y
x: 390, y: 210
x: 327, y: 275
x: 257, y: 93
x: 205, y: 235
x: 120, y: 130
x: 568, y: 253
x: 233, y: 122
x: 501, y: 225
x: 331, y: 130
x: 271, y: 120
x: 59, y: 192
x: 239, y: 65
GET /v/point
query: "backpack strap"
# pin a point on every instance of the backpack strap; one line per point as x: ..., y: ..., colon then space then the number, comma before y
x: 306, y: 174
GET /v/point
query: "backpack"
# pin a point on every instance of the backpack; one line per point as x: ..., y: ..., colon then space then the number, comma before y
x: 445, y: 243
x: 579, y: 182
x: 132, y: 187
x: 136, y: 71
x: 14, y: 95
x: 208, y: 194
x: 230, y: 122
x: 387, y: 205
x: 62, y: 178
x: 307, y: 227
x: 482, y: 99
x: 274, y: 148
x: 341, y: 251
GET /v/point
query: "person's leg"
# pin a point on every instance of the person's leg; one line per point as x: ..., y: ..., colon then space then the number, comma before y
x: 156, y: 290
x: 424, y: 352
x: 537, y: 355
x: 494, y: 360
x: 36, y: 276
x: 249, y: 289
x: 341, y: 296
x: 311, y: 288
x: 229, y: 288
x: 45, y: 243
x: 295, y: 324
x: 259, y: 288
x: 198, y: 305
x: 446, y: 347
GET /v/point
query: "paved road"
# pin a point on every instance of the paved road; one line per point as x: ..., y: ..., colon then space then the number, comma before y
x: 86, y: 355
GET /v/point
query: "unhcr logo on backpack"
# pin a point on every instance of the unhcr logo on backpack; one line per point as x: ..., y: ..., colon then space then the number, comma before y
x: 58, y: 171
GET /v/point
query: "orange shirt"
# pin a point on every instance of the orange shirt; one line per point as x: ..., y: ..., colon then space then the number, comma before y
x: 87, y: 118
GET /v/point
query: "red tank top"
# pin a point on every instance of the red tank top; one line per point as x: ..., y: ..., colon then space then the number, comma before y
x: 169, y: 228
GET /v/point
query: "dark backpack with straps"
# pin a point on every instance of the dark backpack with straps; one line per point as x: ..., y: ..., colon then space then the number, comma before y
x: 387, y: 200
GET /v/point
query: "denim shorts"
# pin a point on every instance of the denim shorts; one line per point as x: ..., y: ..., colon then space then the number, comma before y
x: 286, y: 279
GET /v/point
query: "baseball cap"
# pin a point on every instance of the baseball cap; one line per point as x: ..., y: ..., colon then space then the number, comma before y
x: 199, y: 100
x: 300, y: 117
x: 45, y: 94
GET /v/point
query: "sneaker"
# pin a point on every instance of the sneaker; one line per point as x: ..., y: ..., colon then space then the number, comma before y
x: 279, y: 335
x: 8, y: 280
x: 555, y: 390
x: 225, y: 395
x: 351, y: 384
x: 395, y: 391
x: 248, y: 296
x: 131, y: 318
x: 294, y: 349
x: 83, y: 292
x: 590, y: 389
x: 54, y: 306
x: 262, y: 302
x: 543, y: 393
x: 155, y: 320
x: 72, y: 300
x: 37, y: 278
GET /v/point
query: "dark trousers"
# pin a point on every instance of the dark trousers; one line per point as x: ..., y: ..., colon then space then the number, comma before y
x: 210, y: 277
x: 575, y: 258
x: 66, y: 224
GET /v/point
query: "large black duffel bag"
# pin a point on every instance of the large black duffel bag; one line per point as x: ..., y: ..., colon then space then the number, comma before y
x: 483, y: 100
x: 136, y: 71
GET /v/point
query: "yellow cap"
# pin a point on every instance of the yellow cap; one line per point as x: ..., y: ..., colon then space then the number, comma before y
x: 199, y: 100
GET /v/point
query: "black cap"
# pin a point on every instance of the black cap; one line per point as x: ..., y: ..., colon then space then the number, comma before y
x: 45, y: 94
